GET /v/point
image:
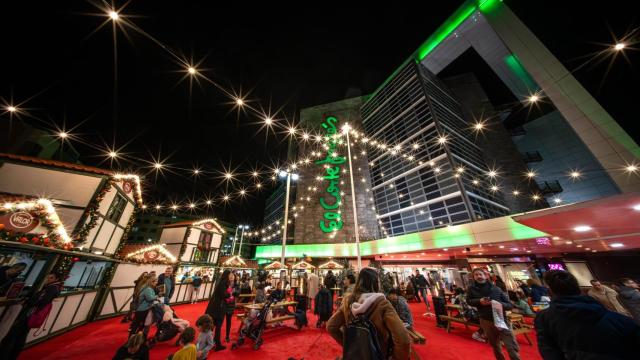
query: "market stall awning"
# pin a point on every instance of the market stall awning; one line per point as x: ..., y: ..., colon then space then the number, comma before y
x: 331, y: 265
x: 302, y: 265
x: 144, y: 254
x: 276, y: 265
x: 612, y: 222
x: 236, y: 262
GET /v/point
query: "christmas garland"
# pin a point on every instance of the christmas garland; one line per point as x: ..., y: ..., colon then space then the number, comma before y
x: 125, y: 235
x: 91, y: 212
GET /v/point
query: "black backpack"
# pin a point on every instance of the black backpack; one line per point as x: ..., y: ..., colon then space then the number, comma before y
x: 361, y: 339
x: 197, y: 282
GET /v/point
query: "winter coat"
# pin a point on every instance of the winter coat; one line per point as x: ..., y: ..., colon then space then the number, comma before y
x: 172, y: 281
x: 383, y: 316
x: 323, y: 305
x: 486, y: 289
x: 217, y: 304
x: 145, y: 299
x: 312, y: 285
x: 630, y: 298
x: 578, y: 327
x: 421, y: 281
x: 402, y: 308
x: 608, y: 299
x: 330, y: 281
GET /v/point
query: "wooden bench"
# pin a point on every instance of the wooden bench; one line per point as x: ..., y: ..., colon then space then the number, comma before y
x: 518, y: 327
x: 280, y: 318
x: 416, y: 337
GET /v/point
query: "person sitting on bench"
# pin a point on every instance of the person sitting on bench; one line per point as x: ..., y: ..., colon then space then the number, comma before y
x: 402, y: 308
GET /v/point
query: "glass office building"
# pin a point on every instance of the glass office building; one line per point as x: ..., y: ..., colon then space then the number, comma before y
x: 437, y: 176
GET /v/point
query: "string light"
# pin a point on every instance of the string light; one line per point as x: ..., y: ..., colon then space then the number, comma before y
x: 11, y: 108
x: 619, y: 46
x: 531, y: 174
x: 191, y: 70
x: 114, y: 15
x: 239, y: 101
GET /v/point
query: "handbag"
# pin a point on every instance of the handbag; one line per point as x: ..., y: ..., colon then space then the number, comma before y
x: 39, y: 317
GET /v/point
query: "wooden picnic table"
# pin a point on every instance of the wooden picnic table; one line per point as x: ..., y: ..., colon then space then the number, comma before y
x: 259, y: 306
x: 519, y: 327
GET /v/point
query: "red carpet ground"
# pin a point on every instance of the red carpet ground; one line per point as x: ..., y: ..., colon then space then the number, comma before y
x: 99, y: 340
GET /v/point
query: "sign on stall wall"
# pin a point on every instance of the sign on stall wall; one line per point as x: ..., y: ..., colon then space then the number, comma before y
x: 19, y: 222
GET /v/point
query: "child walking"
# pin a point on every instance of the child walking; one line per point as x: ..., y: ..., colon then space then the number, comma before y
x: 205, y: 339
x: 188, y: 352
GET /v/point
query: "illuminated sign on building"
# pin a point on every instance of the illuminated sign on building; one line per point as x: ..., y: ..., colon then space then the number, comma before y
x: 331, y: 221
x: 555, y: 266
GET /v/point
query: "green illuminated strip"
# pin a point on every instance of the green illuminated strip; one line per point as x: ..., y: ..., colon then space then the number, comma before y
x: 518, y: 69
x: 448, y: 237
x: 445, y: 30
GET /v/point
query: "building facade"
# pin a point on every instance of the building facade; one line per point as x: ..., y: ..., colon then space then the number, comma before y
x: 314, y: 205
x: 443, y: 180
x: 575, y: 134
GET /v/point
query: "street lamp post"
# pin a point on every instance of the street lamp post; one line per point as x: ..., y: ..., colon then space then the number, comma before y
x: 233, y: 248
x: 346, y: 129
x: 289, y: 176
x: 242, y: 238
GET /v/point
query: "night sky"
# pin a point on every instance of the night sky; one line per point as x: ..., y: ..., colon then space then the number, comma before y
x: 288, y: 60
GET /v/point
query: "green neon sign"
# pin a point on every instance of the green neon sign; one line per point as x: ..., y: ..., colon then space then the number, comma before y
x: 331, y: 221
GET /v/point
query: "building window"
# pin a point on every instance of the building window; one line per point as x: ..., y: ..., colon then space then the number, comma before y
x: 117, y: 208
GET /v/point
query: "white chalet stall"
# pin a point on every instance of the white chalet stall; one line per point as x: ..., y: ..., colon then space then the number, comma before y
x: 94, y: 206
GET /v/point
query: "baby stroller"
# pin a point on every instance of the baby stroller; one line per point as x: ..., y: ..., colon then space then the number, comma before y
x: 301, y: 311
x: 168, y: 325
x: 254, y: 325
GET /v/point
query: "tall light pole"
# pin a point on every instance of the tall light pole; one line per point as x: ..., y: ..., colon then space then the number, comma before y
x: 289, y: 176
x: 346, y: 128
x: 242, y: 238
x: 233, y: 248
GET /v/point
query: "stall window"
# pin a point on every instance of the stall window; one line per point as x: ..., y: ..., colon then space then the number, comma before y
x: 35, y: 264
x: 86, y: 274
x: 117, y: 208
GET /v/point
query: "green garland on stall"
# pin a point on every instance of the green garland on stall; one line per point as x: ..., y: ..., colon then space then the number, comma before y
x: 91, y: 212
x: 125, y: 235
x: 50, y: 240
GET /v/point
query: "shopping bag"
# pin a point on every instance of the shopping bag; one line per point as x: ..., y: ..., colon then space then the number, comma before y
x: 498, y: 315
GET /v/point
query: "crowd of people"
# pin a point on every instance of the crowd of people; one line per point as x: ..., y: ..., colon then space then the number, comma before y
x: 572, y: 324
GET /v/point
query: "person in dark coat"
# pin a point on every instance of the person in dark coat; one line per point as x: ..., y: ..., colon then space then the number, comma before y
x: 167, y: 281
x: 9, y: 274
x: 629, y: 296
x: 330, y: 281
x: 323, y: 306
x: 14, y: 341
x: 422, y: 284
x: 480, y: 295
x: 578, y: 327
x: 217, y: 306
x: 537, y: 291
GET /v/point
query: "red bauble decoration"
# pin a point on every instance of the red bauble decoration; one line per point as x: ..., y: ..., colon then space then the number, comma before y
x: 1, y: 226
x: 46, y: 241
x: 75, y: 259
x: 35, y: 240
x: 24, y: 240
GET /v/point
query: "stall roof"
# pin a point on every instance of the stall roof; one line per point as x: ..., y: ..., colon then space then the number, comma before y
x: 55, y: 163
x: 196, y: 223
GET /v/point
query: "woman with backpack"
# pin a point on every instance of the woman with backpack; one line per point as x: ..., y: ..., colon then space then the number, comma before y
x: 33, y: 315
x: 366, y: 308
